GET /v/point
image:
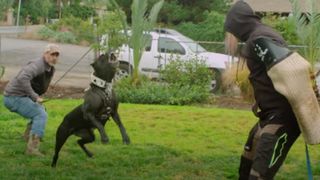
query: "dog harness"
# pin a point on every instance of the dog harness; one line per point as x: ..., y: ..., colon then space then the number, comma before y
x: 105, y: 93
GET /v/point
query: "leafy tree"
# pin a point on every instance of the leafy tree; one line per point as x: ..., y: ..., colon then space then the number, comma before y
x: 94, y: 3
x: 110, y: 25
x: 4, y: 6
x: 221, y: 6
x: 178, y: 11
x: 77, y: 10
x: 211, y: 29
x: 126, y: 7
x: 36, y: 10
x: 170, y: 8
x: 196, y: 8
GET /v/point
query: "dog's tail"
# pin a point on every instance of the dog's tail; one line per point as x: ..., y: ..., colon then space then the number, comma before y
x: 61, y: 137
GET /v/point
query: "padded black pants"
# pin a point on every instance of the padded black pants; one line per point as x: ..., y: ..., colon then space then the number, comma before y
x: 267, y: 146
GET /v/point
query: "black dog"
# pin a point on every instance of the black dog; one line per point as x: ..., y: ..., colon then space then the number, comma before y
x: 99, y: 104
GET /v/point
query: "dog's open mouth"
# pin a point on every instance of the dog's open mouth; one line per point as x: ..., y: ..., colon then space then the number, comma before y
x: 113, y: 56
x: 113, y: 61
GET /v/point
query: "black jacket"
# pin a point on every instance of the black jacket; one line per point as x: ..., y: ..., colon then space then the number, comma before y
x: 32, y: 81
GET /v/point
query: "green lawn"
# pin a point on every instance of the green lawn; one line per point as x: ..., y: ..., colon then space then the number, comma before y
x: 168, y: 142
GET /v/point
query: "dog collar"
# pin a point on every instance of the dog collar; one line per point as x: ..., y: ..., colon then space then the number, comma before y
x: 100, y: 82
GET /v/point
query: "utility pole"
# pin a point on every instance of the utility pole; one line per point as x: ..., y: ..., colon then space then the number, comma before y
x: 59, y: 6
x: 18, y: 15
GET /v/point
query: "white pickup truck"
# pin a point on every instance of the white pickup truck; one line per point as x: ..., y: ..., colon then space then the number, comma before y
x: 165, y: 45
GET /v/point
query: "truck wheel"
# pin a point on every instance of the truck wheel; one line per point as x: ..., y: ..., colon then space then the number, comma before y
x: 215, y: 81
x: 123, y: 72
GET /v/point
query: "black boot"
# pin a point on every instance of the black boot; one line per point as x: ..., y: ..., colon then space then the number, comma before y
x: 244, y: 169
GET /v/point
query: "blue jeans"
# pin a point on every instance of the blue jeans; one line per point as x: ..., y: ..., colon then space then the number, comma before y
x: 30, y: 110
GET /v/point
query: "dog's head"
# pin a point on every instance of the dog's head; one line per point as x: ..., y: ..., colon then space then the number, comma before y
x: 105, y: 66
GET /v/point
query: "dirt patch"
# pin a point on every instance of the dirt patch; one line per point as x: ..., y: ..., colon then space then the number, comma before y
x: 2, y: 85
x: 59, y: 92
x: 56, y: 92
x: 231, y: 102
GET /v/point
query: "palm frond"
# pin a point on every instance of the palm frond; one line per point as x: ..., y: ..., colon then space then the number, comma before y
x: 154, y: 12
x: 308, y: 28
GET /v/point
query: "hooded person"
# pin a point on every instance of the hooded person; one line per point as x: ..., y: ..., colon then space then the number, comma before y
x: 281, y: 83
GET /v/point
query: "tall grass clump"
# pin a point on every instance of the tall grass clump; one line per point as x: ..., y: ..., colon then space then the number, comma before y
x: 238, y: 75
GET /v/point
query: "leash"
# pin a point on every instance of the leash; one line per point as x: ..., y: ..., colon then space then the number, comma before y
x: 76, y: 63
x: 308, y: 164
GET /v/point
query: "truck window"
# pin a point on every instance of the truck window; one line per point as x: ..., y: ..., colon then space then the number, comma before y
x: 148, y: 41
x: 168, y: 45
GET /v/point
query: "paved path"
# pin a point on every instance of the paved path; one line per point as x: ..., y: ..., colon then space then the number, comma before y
x: 14, y: 53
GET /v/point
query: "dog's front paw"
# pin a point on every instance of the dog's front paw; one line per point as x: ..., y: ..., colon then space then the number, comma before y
x: 90, y: 155
x: 126, y: 141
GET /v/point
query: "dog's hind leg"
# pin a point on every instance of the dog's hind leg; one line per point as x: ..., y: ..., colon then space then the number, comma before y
x: 87, y: 136
x: 61, y: 137
x: 125, y: 137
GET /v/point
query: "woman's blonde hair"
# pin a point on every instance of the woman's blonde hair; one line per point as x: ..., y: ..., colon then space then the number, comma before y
x: 231, y: 44
x: 238, y: 73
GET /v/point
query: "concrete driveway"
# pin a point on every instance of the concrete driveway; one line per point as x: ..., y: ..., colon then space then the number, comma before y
x: 15, y: 53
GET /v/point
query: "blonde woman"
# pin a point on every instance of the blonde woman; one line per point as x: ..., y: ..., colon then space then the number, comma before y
x: 273, y: 135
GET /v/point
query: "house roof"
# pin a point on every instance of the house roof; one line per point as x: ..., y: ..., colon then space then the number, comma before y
x: 280, y: 6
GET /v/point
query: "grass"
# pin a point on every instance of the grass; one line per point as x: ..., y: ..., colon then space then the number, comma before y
x: 168, y: 142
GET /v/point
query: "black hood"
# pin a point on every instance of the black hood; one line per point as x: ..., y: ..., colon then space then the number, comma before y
x: 241, y: 20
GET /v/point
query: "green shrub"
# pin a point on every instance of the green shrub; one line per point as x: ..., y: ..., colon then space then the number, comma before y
x: 46, y: 33
x: 153, y: 92
x: 82, y: 29
x: 183, y: 82
x: 147, y: 92
x: 187, y: 73
x: 65, y: 37
x: 69, y: 30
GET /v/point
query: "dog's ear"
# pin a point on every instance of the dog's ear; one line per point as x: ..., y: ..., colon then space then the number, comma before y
x: 93, y: 64
x: 113, y: 57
